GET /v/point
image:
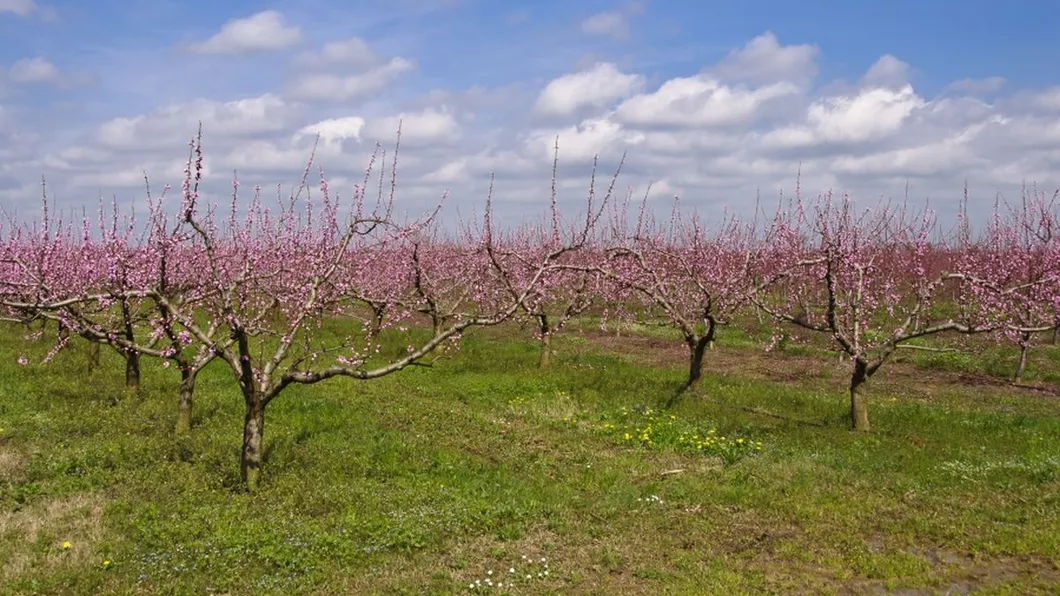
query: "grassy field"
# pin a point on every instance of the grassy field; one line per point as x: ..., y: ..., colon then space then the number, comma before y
x: 486, y: 471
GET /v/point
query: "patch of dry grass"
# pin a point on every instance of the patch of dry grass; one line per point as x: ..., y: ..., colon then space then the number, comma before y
x: 43, y: 527
x: 12, y: 465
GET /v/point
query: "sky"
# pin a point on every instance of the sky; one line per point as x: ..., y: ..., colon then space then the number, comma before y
x: 717, y: 103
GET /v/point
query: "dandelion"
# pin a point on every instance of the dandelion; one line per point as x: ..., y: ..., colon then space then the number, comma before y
x: 67, y: 545
x: 106, y: 563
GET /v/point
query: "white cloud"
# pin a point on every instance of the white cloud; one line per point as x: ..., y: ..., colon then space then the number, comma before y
x: 700, y: 101
x: 34, y: 70
x: 714, y: 133
x: 19, y: 7
x: 595, y: 136
x: 245, y: 117
x: 976, y: 86
x: 610, y: 23
x: 353, y: 52
x: 430, y: 126
x: 596, y: 87
x: 1048, y: 99
x: 334, y: 87
x: 40, y: 71
x: 888, y: 72
x: 871, y: 115
x: 335, y: 129
x: 763, y: 61
x: 261, y: 32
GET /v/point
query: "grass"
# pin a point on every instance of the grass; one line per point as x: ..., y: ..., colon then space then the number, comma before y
x: 445, y: 480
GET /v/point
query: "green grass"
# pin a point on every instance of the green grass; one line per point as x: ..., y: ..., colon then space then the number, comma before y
x: 427, y: 480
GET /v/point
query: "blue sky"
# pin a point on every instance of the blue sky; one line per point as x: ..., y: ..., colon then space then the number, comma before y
x: 764, y: 86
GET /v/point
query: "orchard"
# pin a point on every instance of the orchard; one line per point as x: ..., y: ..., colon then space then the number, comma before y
x: 258, y: 286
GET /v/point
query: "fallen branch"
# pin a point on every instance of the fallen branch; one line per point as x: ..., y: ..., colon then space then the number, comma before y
x: 928, y: 349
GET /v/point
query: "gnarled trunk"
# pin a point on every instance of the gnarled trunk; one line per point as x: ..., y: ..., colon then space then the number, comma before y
x: 1021, y: 367
x: 375, y: 327
x: 93, y: 356
x: 252, y: 455
x: 859, y: 407
x: 132, y: 370
x: 697, y: 346
x: 187, y: 394
x: 545, y: 361
x: 696, y: 349
x: 132, y: 357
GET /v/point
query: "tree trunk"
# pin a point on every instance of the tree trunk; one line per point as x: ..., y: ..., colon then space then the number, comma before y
x: 187, y: 394
x: 132, y: 357
x: 696, y: 349
x: 859, y: 406
x: 93, y: 356
x: 545, y: 361
x: 376, y: 326
x: 132, y: 371
x: 1056, y: 335
x: 253, y: 439
x: 696, y: 346
x: 1021, y: 366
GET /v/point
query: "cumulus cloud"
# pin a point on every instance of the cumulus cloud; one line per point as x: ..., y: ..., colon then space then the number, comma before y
x: 327, y: 86
x: 266, y: 114
x: 1049, y: 99
x: 582, y: 142
x: 716, y: 134
x: 262, y: 32
x: 353, y: 52
x: 41, y: 71
x: 888, y: 72
x: 870, y: 115
x: 335, y: 129
x: 610, y: 23
x: 34, y: 70
x: 977, y: 86
x: 763, y: 61
x: 596, y: 87
x: 427, y: 127
x: 700, y: 101
x: 19, y: 7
